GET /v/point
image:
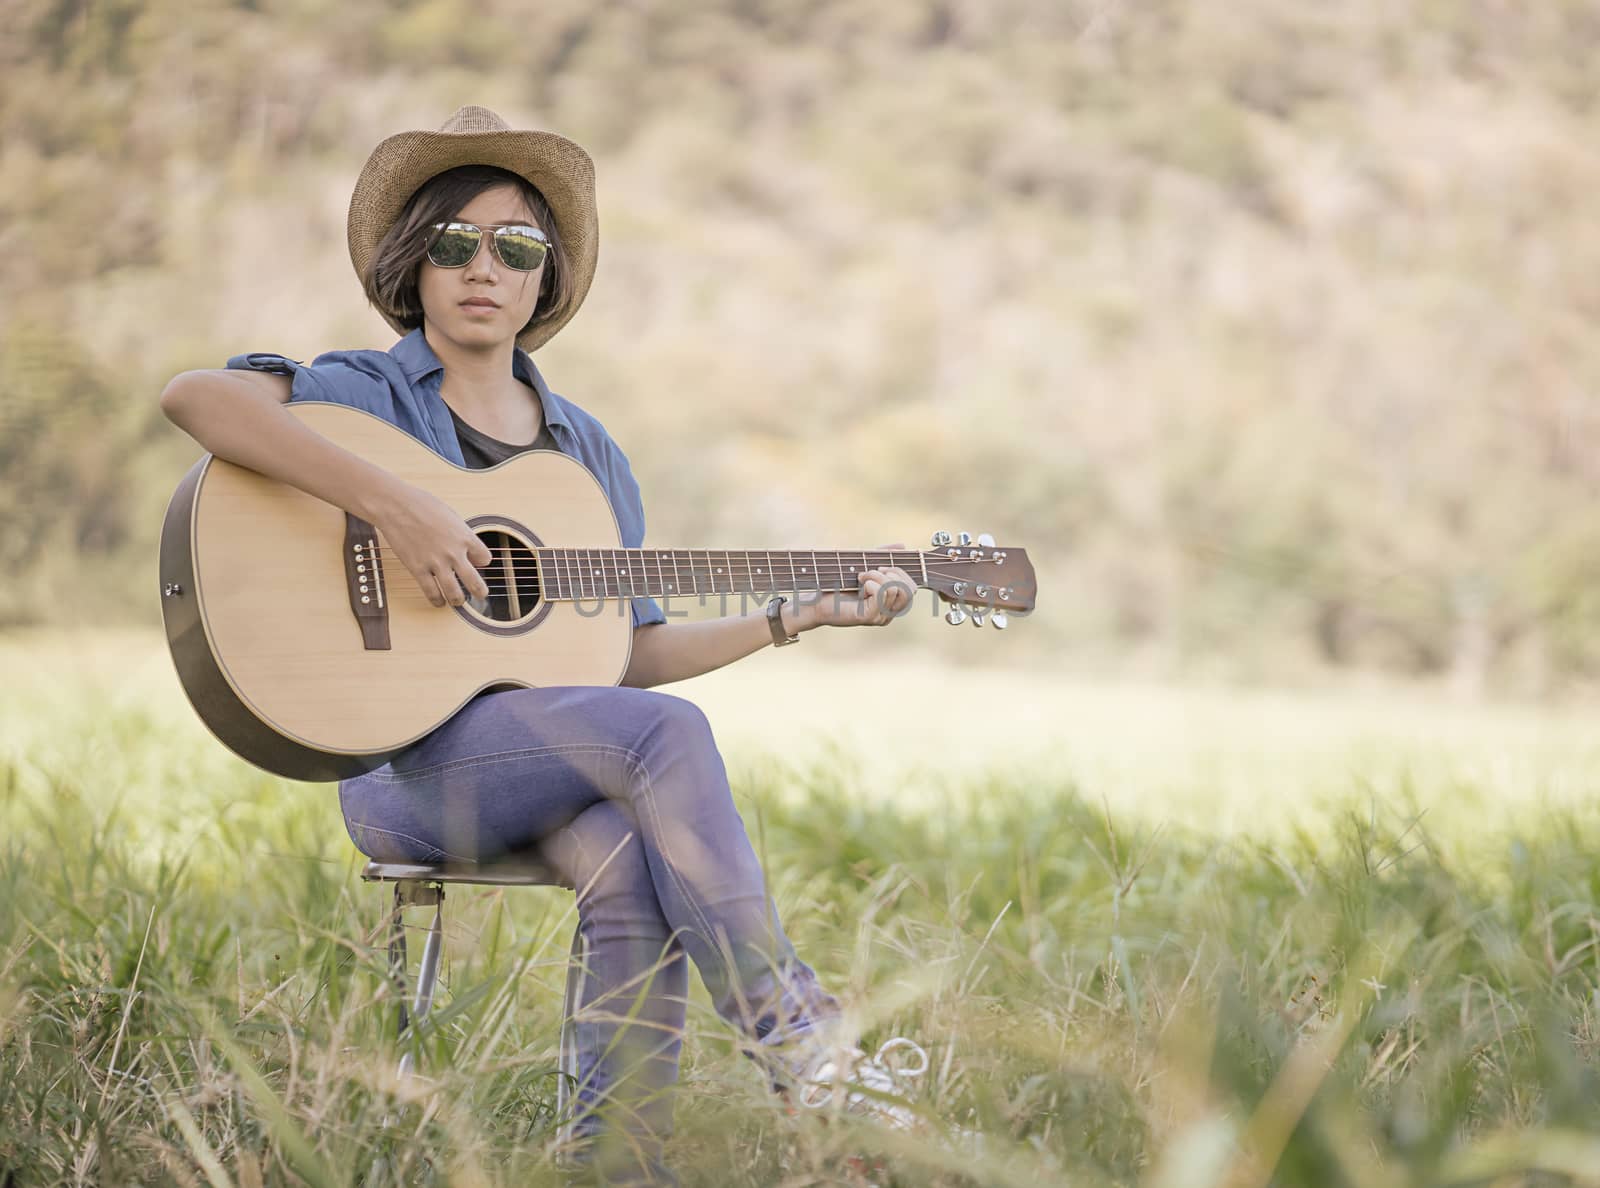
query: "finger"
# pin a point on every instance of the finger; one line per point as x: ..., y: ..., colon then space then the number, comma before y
x: 869, y: 597
x: 894, y: 585
x: 451, y: 585
x: 478, y: 553
x: 472, y: 580
x: 896, y: 594
x: 434, y: 589
x: 908, y: 588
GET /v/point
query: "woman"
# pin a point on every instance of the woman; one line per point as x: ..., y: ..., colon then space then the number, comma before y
x: 479, y: 243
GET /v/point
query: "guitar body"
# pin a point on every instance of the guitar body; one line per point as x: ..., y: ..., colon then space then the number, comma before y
x: 261, y: 611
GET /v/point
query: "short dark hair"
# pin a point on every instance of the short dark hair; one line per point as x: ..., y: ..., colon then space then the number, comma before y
x: 391, y: 277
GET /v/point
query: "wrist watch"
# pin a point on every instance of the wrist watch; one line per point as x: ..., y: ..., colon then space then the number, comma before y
x: 775, y: 621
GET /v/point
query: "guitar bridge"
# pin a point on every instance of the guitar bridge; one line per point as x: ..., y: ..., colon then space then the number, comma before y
x: 363, y: 571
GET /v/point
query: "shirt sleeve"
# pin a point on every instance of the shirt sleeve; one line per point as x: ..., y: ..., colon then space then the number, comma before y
x: 629, y: 506
x: 338, y: 377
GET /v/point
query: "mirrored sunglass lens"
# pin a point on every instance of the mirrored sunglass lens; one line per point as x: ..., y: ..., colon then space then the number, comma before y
x: 454, y: 247
x: 519, y: 249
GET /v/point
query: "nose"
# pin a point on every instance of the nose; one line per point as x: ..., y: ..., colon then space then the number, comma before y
x: 482, y: 264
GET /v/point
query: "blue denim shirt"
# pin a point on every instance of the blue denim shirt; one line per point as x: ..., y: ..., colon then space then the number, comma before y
x: 401, y: 385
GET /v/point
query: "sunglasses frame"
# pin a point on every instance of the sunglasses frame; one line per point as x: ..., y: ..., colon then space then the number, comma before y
x: 491, y: 231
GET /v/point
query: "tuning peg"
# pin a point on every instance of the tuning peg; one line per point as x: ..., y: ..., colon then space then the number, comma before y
x: 964, y: 539
x: 955, y: 616
x: 998, y: 619
x: 978, y: 612
x: 986, y: 540
x: 940, y: 539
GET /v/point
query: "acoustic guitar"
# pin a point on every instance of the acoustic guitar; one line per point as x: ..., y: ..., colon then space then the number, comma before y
x: 309, y: 650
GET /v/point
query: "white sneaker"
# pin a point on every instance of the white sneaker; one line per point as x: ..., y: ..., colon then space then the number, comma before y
x: 836, y: 1077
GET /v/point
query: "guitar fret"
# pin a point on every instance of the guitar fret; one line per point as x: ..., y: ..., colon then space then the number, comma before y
x: 583, y: 574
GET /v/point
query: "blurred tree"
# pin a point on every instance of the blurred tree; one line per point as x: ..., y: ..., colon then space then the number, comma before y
x: 1268, y: 329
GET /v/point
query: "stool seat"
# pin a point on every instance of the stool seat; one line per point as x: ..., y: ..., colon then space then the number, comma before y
x: 520, y: 871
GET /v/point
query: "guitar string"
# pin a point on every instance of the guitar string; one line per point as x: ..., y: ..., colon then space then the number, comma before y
x: 572, y: 567
x: 408, y: 588
x: 499, y: 584
x: 612, y: 575
x: 833, y: 574
x: 744, y: 567
x: 743, y: 556
x: 614, y: 578
x: 565, y: 570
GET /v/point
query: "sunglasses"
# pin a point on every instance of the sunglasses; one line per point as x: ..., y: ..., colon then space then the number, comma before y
x: 520, y: 247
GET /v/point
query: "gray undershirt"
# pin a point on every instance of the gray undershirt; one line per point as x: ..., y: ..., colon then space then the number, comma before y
x: 480, y: 451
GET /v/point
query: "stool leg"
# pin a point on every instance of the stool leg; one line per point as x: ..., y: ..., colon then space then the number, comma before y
x: 397, y: 960
x: 567, y: 1058
x: 428, y: 975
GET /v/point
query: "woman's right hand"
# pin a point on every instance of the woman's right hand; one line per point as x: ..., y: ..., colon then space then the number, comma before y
x: 436, y: 545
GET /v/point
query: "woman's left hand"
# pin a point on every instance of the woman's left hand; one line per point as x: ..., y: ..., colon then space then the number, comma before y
x: 884, y: 596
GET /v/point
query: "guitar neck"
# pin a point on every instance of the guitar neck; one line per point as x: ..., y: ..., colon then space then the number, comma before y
x: 568, y: 574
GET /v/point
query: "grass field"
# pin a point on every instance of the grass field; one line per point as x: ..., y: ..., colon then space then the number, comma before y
x: 1152, y: 937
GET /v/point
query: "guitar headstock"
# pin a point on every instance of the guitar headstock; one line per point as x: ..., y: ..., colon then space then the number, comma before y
x: 979, y: 578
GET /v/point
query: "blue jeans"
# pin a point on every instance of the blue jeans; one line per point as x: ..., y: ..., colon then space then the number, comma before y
x: 624, y: 792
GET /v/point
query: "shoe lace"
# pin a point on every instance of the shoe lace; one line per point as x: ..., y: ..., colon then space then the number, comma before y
x: 886, y: 1072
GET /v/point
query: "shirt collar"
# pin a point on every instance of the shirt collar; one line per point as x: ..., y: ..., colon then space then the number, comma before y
x: 417, y: 360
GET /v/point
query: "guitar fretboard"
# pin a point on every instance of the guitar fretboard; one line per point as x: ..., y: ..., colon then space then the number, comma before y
x: 628, y: 573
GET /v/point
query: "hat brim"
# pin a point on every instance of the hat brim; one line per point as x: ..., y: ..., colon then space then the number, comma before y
x: 560, y: 170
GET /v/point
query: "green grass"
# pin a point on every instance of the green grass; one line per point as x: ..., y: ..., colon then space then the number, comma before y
x: 1398, y: 989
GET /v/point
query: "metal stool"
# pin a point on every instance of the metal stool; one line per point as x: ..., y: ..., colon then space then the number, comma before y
x: 423, y: 886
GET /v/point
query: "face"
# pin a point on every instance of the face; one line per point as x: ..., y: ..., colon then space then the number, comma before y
x: 483, y: 303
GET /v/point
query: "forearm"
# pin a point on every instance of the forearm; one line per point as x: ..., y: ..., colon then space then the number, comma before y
x: 666, y: 652
x: 238, y: 422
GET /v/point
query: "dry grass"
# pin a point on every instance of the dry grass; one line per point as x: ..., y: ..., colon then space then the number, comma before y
x: 191, y: 989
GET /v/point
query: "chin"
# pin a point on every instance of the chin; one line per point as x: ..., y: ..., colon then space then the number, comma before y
x: 482, y: 331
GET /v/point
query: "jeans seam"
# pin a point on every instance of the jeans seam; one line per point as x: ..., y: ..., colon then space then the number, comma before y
x: 436, y: 853
x: 400, y: 777
x: 666, y: 853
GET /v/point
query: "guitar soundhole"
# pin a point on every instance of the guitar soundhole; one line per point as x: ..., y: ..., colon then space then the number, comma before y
x: 512, y: 577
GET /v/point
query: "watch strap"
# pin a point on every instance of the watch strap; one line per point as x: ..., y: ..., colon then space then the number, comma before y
x: 775, y: 620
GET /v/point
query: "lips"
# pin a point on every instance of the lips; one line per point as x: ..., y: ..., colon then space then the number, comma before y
x: 480, y: 303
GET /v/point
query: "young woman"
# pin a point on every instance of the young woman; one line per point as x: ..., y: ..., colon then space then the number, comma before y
x: 478, y: 243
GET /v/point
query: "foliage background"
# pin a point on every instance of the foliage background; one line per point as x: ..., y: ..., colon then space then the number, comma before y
x: 1266, y: 328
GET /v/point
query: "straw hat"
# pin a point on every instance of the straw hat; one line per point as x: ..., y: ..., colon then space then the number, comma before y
x: 561, y: 170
